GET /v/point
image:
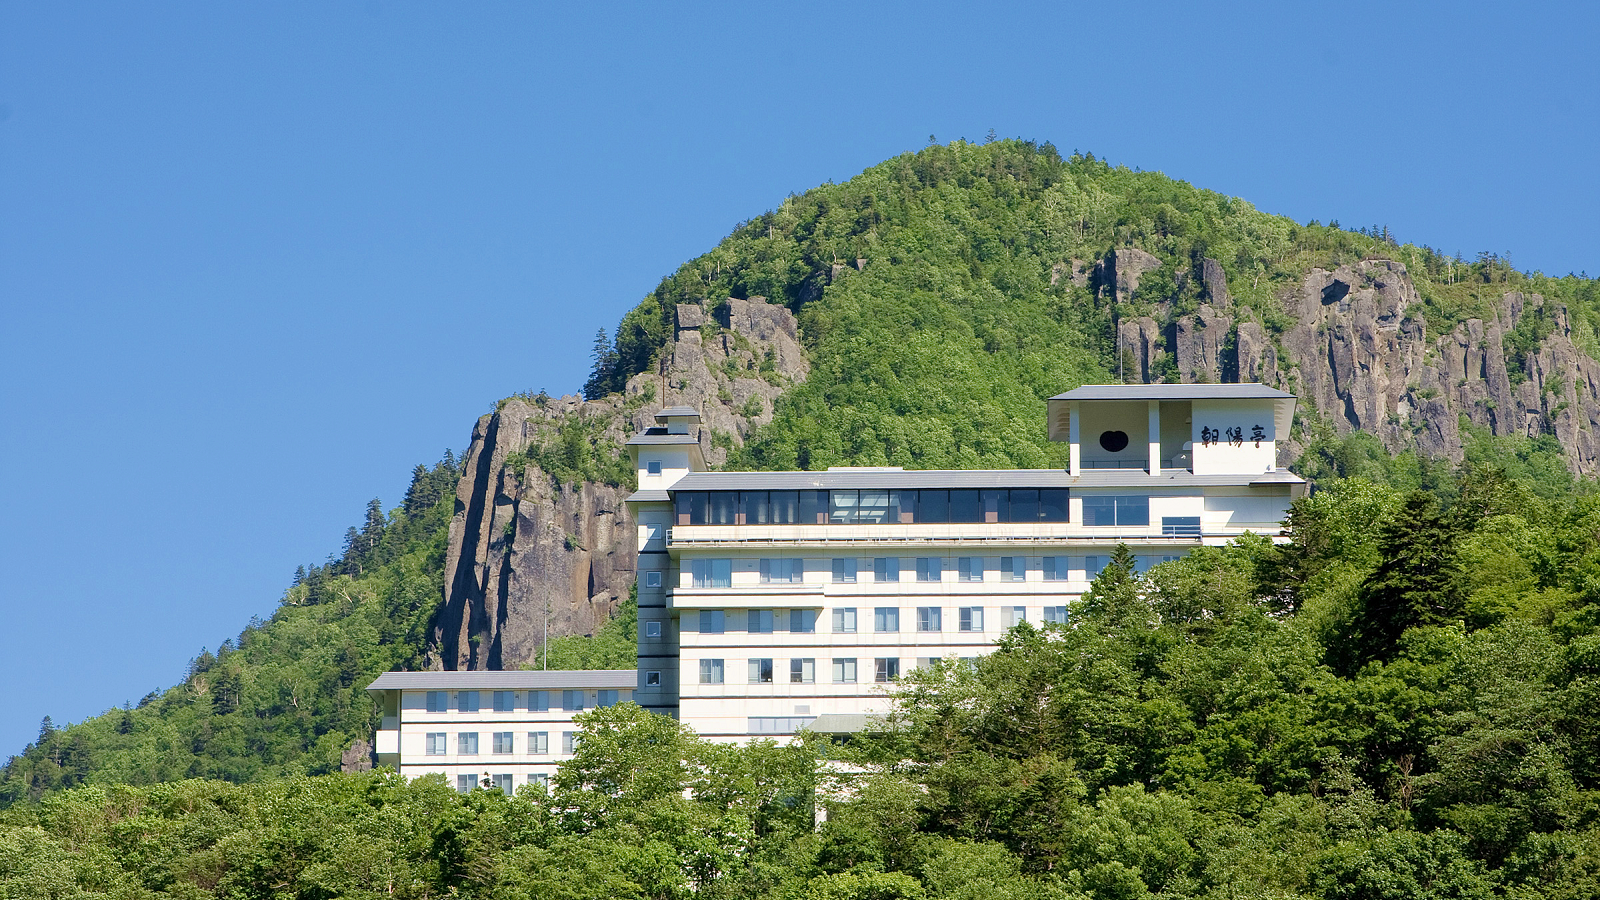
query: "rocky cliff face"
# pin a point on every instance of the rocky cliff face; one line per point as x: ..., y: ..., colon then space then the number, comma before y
x: 524, y: 550
x: 1361, y: 357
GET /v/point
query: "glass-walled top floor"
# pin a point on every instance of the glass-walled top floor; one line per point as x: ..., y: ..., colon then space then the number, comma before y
x: 871, y: 507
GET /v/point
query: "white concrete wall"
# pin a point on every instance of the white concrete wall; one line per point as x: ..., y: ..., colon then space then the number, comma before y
x: 1222, y: 457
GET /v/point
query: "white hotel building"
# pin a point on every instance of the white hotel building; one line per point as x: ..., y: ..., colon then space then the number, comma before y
x: 772, y: 601
x: 775, y: 601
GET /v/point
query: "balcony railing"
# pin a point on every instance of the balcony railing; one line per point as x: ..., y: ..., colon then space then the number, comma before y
x: 690, y: 536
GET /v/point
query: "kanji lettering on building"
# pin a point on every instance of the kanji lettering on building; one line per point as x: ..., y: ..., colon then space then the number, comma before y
x: 1236, y: 436
x: 1257, y: 434
x: 1208, y: 435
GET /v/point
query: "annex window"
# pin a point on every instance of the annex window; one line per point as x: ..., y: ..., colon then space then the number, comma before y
x: 1094, y: 565
x: 467, y: 743
x: 971, y: 618
x: 438, y: 701
x: 1012, y: 616
x: 505, y: 782
x: 435, y: 743
x: 653, y: 467
x: 1124, y: 511
x: 1013, y: 568
x: 802, y: 621
x: 652, y: 679
x: 886, y: 570
x: 467, y: 701
x: 886, y: 619
x: 711, y: 573
x: 1056, y: 568
x: 652, y: 630
x: 802, y: 671
x: 538, y: 742
x: 538, y: 701
x: 870, y: 506
x: 504, y: 742
x: 782, y: 571
x: 712, y: 621
x: 844, y: 620
x: 608, y: 698
x: 1180, y: 526
x: 710, y: 671
x: 844, y: 671
x: 886, y: 669
x: 928, y: 618
x: 569, y: 742
x: 759, y: 621
x: 844, y: 571
x: 1055, y: 615
x: 465, y: 783
x: 572, y: 700
x: 505, y: 701
x: 930, y: 568
x: 652, y: 579
x: 761, y: 671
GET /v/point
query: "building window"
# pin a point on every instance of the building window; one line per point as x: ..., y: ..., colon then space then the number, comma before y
x: 505, y: 701
x: 927, y: 662
x: 569, y: 742
x: 1013, y: 568
x: 969, y: 568
x: 1121, y: 511
x: 870, y: 507
x: 538, y: 742
x: 434, y: 743
x: 540, y: 779
x: 930, y: 568
x: 710, y: 671
x: 1055, y: 615
x: 844, y: 571
x: 653, y: 467
x: 467, y: 743
x: 759, y: 621
x: 505, y: 783
x: 652, y: 679
x: 844, y: 620
x: 1056, y: 568
x: 802, y: 671
x: 1180, y: 526
x: 782, y: 571
x: 608, y: 698
x: 467, y: 701
x: 1093, y: 565
x: 886, y: 669
x: 778, y: 724
x: 572, y: 700
x: 971, y: 618
x: 652, y: 579
x: 1012, y: 616
x: 465, y: 783
x: 652, y: 630
x: 886, y: 619
x: 803, y: 621
x: 503, y: 742
x: 761, y: 671
x: 886, y: 571
x: 712, y: 621
x: 844, y: 671
x: 538, y: 701
x: 711, y: 573
x: 438, y: 701
x: 928, y: 618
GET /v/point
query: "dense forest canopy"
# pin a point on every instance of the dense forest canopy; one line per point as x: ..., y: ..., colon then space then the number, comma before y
x: 1402, y: 702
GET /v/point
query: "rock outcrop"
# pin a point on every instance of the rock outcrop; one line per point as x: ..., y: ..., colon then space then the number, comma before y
x: 1119, y: 273
x: 525, y: 551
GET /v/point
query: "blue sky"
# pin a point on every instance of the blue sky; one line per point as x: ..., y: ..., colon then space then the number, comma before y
x: 256, y: 262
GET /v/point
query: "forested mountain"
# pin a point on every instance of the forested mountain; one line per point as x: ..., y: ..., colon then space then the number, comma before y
x: 1404, y: 702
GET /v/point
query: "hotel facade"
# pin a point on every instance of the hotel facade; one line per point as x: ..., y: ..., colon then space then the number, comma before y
x: 771, y: 602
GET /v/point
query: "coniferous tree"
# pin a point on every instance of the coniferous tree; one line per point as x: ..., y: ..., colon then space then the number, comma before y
x: 1417, y: 583
x: 1113, y: 598
x: 603, y: 367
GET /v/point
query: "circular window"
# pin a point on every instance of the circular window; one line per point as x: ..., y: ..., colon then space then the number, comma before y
x: 1114, y: 441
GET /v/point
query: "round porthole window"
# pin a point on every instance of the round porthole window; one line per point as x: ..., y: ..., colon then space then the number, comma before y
x: 1114, y: 441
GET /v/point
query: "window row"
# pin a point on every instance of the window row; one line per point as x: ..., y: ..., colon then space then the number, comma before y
x: 718, y: 572
x: 517, y: 701
x: 843, y: 670
x: 885, y: 619
x: 505, y: 782
x: 871, y: 507
x: 537, y: 743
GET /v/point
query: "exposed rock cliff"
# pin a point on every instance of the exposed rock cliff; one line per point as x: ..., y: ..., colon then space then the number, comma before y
x: 523, y: 548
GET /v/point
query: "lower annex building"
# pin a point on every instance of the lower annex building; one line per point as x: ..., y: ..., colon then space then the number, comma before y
x: 775, y: 601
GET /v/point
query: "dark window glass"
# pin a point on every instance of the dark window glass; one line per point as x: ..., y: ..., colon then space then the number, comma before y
x: 692, y: 508
x: 996, y: 506
x: 1053, y: 505
x: 902, y: 506
x: 721, y: 506
x: 933, y: 506
x: 966, y: 506
x: 1099, y: 511
x: 842, y: 507
x: 813, y: 507
x: 1133, y: 510
x: 785, y: 507
x: 756, y: 507
x: 873, y: 508
x: 1024, y: 505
